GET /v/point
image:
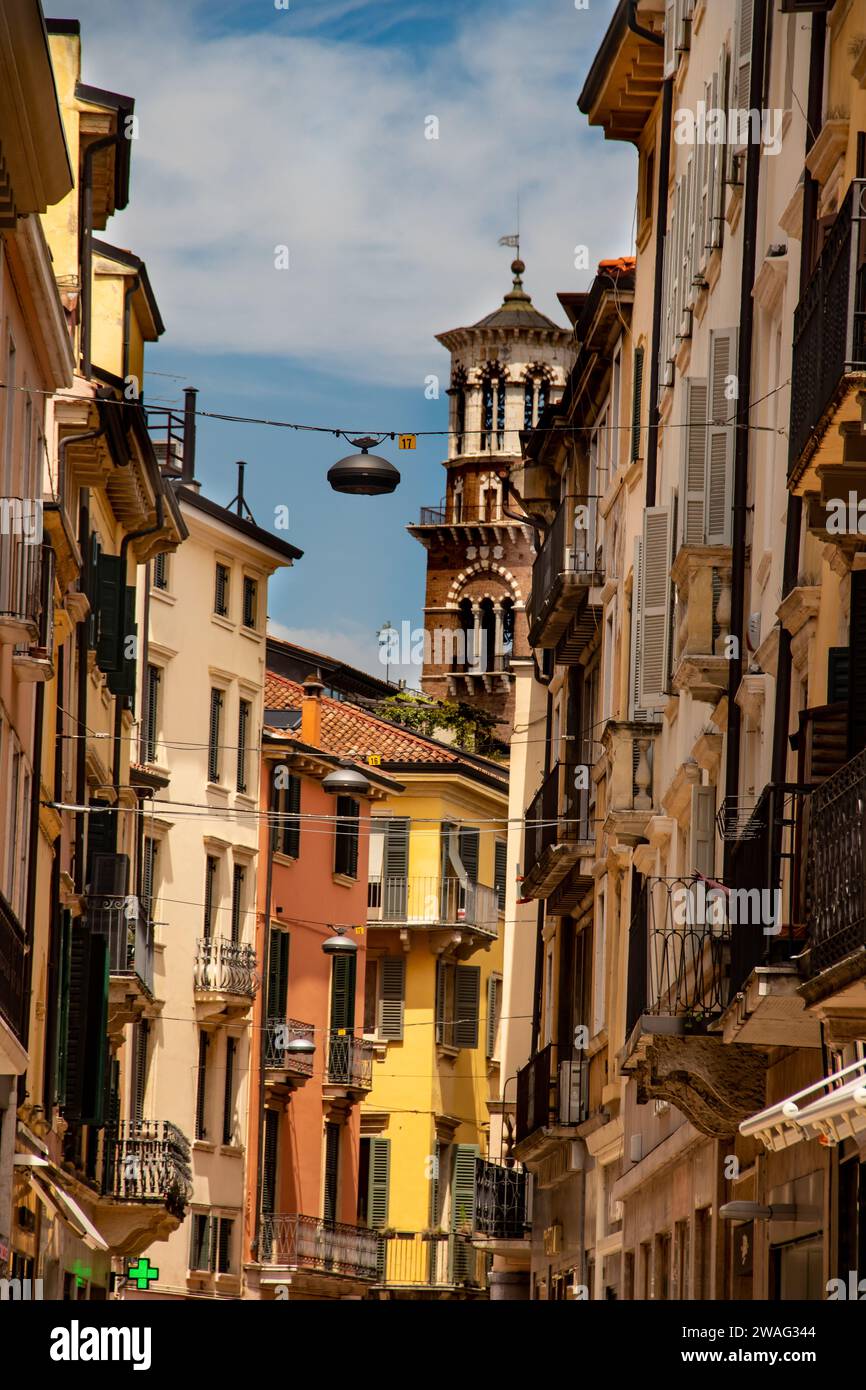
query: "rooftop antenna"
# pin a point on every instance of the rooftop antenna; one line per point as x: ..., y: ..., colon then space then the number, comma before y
x: 238, y: 502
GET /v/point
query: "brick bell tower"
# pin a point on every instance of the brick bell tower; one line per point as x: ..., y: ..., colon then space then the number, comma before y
x: 505, y: 370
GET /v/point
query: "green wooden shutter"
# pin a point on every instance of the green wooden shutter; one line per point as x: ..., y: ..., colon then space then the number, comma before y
x: 694, y: 463
x: 213, y: 756
x: 838, y: 674
x: 392, y: 990
x: 467, y: 993
x: 271, y: 1159
x: 720, y: 439
x: 636, y: 402
x: 201, y: 1087
x: 96, y: 1053
x: 494, y: 1009
x: 332, y: 1170
x: 238, y: 874
x: 244, y: 710
x: 210, y: 873
x: 76, y: 1020
x: 379, y: 1183
x: 212, y: 1238
x: 139, y: 1074
x: 655, y: 607
x: 500, y: 865
x: 292, y: 830
x: 64, y: 979
x: 463, y: 1210
x: 346, y: 848
x: 121, y: 682
x: 110, y: 599
x: 201, y: 1241
x: 343, y: 971
x: 441, y: 1022
x: 395, y: 869
x: 278, y: 973
x: 229, y: 1091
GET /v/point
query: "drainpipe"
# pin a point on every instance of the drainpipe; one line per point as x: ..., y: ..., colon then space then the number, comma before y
x: 260, y: 1118
x: 744, y: 405
x: 664, y: 149
x: 793, y: 518
x: 631, y: 19
x: 87, y: 247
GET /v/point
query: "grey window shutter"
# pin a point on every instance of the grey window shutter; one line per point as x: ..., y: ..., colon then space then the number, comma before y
x: 702, y: 835
x: 743, y: 54
x: 694, y: 462
x: 442, y: 1024
x: 468, y: 851
x: 636, y: 401
x: 213, y: 757
x: 670, y: 52
x: 717, y: 157
x: 238, y: 875
x: 636, y: 709
x: 467, y: 992
x: 229, y: 1092
x: 201, y: 1087
x: 655, y: 607
x: 392, y: 989
x: 379, y: 1183
x: 720, y: 439
x: 500, y: 870
x: 494, y: 1009
x: 395, y: 868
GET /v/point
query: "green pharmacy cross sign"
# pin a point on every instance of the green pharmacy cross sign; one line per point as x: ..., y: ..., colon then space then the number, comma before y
x: 142, y: 1272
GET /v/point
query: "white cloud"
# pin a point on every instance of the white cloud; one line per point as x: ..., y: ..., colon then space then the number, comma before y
x: 286, y: 137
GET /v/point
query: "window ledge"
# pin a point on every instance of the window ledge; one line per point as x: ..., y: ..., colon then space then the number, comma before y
x: 222, y: 622
x: 251, y: 633
x: 287, y: 859
x: 203, y: 1146
x: 344, y: 880
x: 217, y: 787
x: 164, y: 596
x: 444, y: 1051
x: 232, y: 1150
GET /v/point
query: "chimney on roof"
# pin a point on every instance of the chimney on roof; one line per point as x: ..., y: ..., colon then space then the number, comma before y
x: 311, y: 711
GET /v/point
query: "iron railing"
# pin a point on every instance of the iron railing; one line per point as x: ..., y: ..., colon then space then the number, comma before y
x: 455, y: 515
x: 638, y: 952
x: 688, y: 950
x: 430, y: 1260
x: 830, y: 322
x: 558, y: 812
x: 406, y: 899
x: 536, y: 1094
x: 20, y: 584
x: 224, y: 966
x: 328, y: 1247
x: 278, y: 1057
x: 836, y: 866
x: 128, y: 929
x: 148, y: 1161
x: 500, y: 1201
x: 570, y: 548
x: 166, y: 430
x: 350, y: 1061
x: 42, y: 646
x: 12, y: 960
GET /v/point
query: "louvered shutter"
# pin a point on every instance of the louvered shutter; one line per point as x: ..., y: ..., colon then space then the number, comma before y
x: 636, y: 401
x: 494, y: 1008
x: 463, y: 1211
x: 210, y: 873
x: 243, y: 731
x: 683, y: 12
x: 500, y: 868
x: 675, y: 288
x: 332, y: 1170
x: 63, y: 1009
x: 225, y: 1225
x: 379, y: 1182
x: 694, y: 477
x: 237, y: 898
x: 392, y: 988
x: 76, y: 1021
x: 720, y: 439
x: 468, y: 851
x: 152, y: 714
x: 96, y: 1056
x: 343, y: 992
x: 292, y: 830
x: 346, y: 837
x: 110, y: 599
x: 743, y: 54
x: 278, y: 973
x: 202, y: 1242
x: 108, y: 875
x: 704, y: 199
x: 702, y: 832
x: 395, y: 869
x: 637, y: 712
x: 271, y: 1159
x: 229, y: 1092
x: 201, y: 1087
x: 467, y: 994
x: 441, y: 1022
x: 213, y: 757
x: 857, y: 666
x: 139, y: 1078
x: 686, y: 291
x: 121, y: 682
x: 655, y: 607
x: 670, y: 51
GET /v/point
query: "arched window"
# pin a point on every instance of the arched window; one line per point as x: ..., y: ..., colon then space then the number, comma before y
x: 458, y: 391
x: 536, y: 394
x: 464, y: 655
x: 493, y: 408
x: 457, y: 502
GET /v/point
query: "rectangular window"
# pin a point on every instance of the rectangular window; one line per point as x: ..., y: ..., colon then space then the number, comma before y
x: 494, y: 1014
x: 139, y: 1071
x: 149, y: 858
x: 201, y: 1243
x: 346, y: 847
x: 238, y: 875
x: 221, y: 590
x: 500, y: 863
x: 229, y: 1093
x: 332, y: 1171
x: 286, y: 806
x: 458, y: 989
x: 151, y: 714
x: 244, y: 716
x: 278, y: 973
x: 224, y: 1245
x: 159, y: 579
x: 251, y: 595
x: 201, y: 1088
x: 210, y: 883
x: 214, y: 734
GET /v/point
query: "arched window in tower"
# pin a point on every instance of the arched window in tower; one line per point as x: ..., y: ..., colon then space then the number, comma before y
x: 457, y: 502
x: 464, y: 655
x: 493, y: 407
x: 489, y: 498
x: 536, y: 394
x: 507, y: 630
x: 489, y: 633
x: 458, y: 391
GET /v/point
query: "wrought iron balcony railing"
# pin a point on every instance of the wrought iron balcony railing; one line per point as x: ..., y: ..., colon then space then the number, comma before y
x: 350, y: 1061
x: 430, y: 1260
x: 493, y: 514
x: 412, y: 899
x: 224, y: 966
x: 20, y: 580
x: 830, y: 322
x: 148, y: 1161
x: 836, y: 866
x: 33, y: 657
x: 558, y: 813
x: 12, y: 958
x: 500, y: 1201
x: 568, y: 560
x: 129, y: 931
x: 278, y: 1055
x: 328, y: 1247
x: 679, y: 951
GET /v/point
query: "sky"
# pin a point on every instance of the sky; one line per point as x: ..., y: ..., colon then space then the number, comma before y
x: 294, y: 130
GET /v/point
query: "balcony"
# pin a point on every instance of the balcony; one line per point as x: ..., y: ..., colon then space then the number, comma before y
x: 565, y: 577
x: 487, y: 524
x: 12, y: 998
x: 425, y: 1264
x: 422, y: 902
x: 20, y: 578
x: 629, y: 755
x: 678, y: 987
x: 349, y: 1071
x: 146, y: 1184
x: 284, y: 1069
x: 225, y: 977
x: 829, y: 362
x: 559, y: 837
x: 320, y: 1248
x: 835, y: 988
x: 34, y: 660
x: 702, y: 575
x: 128, y: 929
x: 501, y: 1204
x: 552, y: 1097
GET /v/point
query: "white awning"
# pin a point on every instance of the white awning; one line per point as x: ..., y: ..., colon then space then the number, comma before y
x: 61, y: 1203
x: 830, y: 1110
